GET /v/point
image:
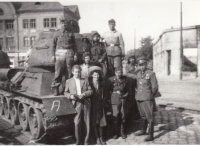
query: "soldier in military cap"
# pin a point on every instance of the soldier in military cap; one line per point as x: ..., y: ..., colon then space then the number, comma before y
x: 118, y: 90
x: 114, y: 47
x: 147, y: 87
x: 63, y: 53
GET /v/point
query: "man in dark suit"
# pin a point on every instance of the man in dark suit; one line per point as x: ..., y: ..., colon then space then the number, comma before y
x: 147, y: 87
x: 118, y: 90
x: 78, y: 91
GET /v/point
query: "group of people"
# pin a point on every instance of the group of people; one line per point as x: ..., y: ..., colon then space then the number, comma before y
x: 99, y: 82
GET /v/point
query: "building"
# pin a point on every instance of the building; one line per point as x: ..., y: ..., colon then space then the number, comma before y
x: 166, y: 51
x: 22, y: 22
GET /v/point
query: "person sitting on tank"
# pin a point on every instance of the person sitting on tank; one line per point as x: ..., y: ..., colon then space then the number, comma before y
x: 4, y: 59
x: 98, y: 116
x: 98, y: 52
x: 86, y: 65
x: 79, y: 91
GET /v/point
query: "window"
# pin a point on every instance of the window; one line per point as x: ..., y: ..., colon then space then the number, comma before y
x: 33, y: 38
x: 46, y: 22
x: 50, y: 22
x: 32, y: 23
x: 53, y: 22
x: 10, y: 42
x: 1, y: 25
x: 9, y: 24
x: 26, y: 41
x: 1, y: 11
x: 25, y: 23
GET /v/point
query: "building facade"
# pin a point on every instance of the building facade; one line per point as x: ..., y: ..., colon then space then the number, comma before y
x: 166, y: 51
x: 22, y: 22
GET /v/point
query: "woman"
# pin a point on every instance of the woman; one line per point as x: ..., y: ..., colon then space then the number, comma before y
x: 131, y: 69
x: 98, y: 119
x: 98, y: 52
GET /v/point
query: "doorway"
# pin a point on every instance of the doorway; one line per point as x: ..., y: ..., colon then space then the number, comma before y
x: 168, y: 62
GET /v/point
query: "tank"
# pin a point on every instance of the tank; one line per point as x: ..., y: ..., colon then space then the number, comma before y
x: 26, y: 97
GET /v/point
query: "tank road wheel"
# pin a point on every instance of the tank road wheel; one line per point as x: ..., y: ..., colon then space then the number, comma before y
x: 13, y: 112
x: 35, y: 122
x: 1, y: 105
x: 23, y: 116
x: 6, y: 107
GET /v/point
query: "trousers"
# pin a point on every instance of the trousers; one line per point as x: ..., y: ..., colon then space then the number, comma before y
x: 114, y: 62
x: 63, y: 66
x: 120, y: 111
x: 82, y: 120
x: 146, y: 109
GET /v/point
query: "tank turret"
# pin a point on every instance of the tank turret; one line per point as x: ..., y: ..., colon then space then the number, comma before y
x: 28, y: 98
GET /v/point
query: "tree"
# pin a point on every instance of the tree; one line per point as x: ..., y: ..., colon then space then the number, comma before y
x: 147, y: 47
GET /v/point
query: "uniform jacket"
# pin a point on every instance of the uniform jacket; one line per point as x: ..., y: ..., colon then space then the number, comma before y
x: 63, y: 39
x: 70, y: 89
x: 114, y: 37
x: 98, y: 52
x: 116, y: 88
x: 147, y: 85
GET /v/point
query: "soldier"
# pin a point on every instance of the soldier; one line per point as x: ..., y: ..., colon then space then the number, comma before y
x: 63, y: 53
x: 147, y: 87
x: 118, y: 90
x: 98, y: 52
x: 114, y: 47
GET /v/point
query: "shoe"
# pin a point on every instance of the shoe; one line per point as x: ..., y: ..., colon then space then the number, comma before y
x: 143, y: 127
x: 102, y: 142
x: 123, y: 135
x: 115, y: 136
x: 151, y: 132
x: 56, y: 92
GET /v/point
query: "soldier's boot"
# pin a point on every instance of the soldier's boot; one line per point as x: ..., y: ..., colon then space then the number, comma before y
x: 115, y: 130
x: 143, y: 126
x: 151, y: 132
x: 56, y: 91
x: 123, y: 135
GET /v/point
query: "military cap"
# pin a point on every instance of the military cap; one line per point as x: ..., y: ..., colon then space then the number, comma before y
x: 141, y: 60
x: 118, y: 69
x: 95, y: 68
x: 111, y: 21
x: 86, y: 54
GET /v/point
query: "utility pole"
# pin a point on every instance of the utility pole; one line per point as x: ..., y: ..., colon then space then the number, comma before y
x: 181, y: 47
x: 134, y: 39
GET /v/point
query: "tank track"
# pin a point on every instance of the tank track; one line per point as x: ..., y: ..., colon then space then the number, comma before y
x: 48, y: 125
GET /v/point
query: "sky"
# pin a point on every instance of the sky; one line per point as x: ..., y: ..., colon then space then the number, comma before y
x: 147, y: 17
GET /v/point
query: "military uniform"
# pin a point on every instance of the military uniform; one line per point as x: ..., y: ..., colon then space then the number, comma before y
x: 119, y: 92
x: 147, y: 87
x: 98, y: 52
x: 64, y: 49
x: 114, y: 48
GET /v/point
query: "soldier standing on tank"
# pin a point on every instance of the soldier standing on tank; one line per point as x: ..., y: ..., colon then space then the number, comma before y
x: 118, y: 90
x: 63, y: 53
x: 114, y: 47
x: 98, y: 52
x: 147, y: 87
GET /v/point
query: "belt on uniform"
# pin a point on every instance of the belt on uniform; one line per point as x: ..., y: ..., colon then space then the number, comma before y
x: 118, y: 92
x: 112, y: 45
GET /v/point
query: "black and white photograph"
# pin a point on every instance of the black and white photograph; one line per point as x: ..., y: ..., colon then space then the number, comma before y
x: 100, y: 72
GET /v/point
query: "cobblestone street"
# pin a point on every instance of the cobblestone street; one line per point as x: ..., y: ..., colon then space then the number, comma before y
x: 172, y: 126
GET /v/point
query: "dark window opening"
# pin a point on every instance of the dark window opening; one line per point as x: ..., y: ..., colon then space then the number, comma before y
x: 1, y: 12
